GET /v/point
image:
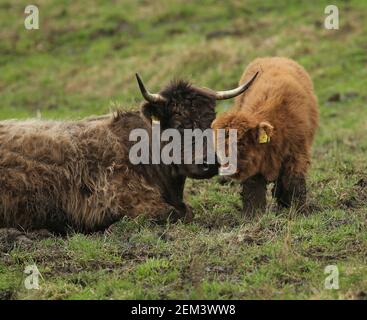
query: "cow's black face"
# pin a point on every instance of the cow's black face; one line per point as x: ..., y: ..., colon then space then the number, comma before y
x: 187, y: 108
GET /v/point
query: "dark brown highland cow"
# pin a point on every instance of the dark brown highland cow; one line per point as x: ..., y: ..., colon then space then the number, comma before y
x: 77, y: 174
x: 276, y: 121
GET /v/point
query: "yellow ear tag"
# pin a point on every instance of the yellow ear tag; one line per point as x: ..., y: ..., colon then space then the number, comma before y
x: 263, y: 137
x: 155, y: 120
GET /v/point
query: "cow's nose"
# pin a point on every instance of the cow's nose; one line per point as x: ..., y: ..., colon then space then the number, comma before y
x: 205, y: 165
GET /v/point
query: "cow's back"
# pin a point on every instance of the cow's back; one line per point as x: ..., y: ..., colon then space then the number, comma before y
x: 56, y: 173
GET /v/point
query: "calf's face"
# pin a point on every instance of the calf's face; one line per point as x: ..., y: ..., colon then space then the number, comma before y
x: 189, y: 109
x: 252, y: 138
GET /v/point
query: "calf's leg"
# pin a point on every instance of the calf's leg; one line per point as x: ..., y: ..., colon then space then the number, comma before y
x: 253, y: 195
x: 290, y: 188
x: 294, y: 192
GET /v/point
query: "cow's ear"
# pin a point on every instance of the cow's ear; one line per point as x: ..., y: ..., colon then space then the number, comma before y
x: 152, y: 112
x: 264, y: 132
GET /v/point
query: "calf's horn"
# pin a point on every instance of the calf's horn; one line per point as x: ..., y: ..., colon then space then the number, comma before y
x: 222, y: 95
x: 150, y: 97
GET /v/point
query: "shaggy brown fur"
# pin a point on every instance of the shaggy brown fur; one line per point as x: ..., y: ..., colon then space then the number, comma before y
x: 279, y: 105
x: 77, y: 174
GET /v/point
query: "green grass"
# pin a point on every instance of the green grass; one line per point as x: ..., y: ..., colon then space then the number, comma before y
x: 83, y: 60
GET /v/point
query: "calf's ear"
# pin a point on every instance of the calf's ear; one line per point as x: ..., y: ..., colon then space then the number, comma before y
x: 264, y: 132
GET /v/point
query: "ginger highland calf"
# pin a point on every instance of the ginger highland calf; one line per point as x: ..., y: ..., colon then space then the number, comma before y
x: 276, y: 120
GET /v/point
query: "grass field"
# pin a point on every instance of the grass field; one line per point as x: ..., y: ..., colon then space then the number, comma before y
x: 82, y: 61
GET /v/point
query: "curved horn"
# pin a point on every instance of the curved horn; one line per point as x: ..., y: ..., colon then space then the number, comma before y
x: 222, y: 95
x: 150, y: 97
